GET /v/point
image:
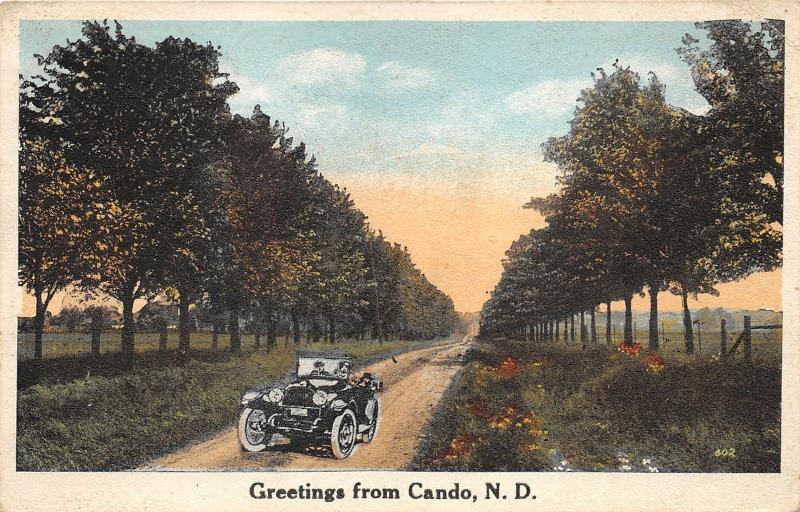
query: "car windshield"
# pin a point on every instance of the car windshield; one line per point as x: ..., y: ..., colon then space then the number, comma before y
x: 323, y: 367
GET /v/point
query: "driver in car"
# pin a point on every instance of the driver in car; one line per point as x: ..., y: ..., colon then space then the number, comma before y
x: 319, y: 368
x: 343, y: 370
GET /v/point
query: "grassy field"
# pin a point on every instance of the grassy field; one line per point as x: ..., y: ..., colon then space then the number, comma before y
x: 58, y: 344
x: 766, y: 344
x: 119, y: 422
x: 551, y: 407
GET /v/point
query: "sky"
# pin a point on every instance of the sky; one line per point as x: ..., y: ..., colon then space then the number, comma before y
x: 434, y: 128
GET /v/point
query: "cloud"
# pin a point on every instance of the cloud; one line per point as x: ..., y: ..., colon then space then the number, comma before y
x: 468, y: 114
x: 251, y: 93
x: 313, y: 114
x: 549, y: 98
x: 322, y: 66
x: 400, y: 77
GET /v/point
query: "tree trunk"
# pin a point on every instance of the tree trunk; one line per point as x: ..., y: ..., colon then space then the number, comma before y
x: 257, y: 331
x: 378, y: 326
x: 295, y: 328
x: 315, y: 335
x: 608, y: 322
x: 184, y: 325
x: 332, y: 329
x: 96, y: 328
x: 558, y: 325
x: 233, y: 329
x: 688, y: 334
x: 215, y: 334
x: 128, y: 330
x: 572, y: 327
x: 38, y: 328
x: 723, y: 340
x: 583, y: 330
x: 652, y: 332
x: 593, y: 324
x: 566, y: 328
x: 163, y: 333
x: 272, y: 330
x: 627, y: 337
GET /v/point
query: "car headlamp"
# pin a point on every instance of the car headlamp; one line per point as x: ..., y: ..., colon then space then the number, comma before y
x: 275, y: 395
x: 250, y: 395
x: 320, y: 398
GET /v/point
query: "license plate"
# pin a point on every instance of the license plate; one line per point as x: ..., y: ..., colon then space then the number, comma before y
x: 296, y: 411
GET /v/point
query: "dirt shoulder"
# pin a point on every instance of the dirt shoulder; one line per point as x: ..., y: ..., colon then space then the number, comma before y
x: 413, y: 386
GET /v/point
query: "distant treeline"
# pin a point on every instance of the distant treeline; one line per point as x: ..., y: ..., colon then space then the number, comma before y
x: 653, y: 197
x: 137, y: 182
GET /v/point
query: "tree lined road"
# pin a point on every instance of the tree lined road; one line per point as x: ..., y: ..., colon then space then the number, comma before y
x: 413, y: 387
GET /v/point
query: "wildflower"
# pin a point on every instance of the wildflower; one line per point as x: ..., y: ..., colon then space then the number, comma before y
x: 645, y: 462
x: 461, y: 446
x: 568, y: 469
x: 625, y: 467
x: 564, y: 463
x: 508, y: 367
x: 652, y: 469
x: 623, y: 460
x: 655, y: 363
x: 632, y: 350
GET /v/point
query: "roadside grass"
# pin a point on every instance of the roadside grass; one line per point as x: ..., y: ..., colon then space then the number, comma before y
x: 554, y: 407
x: 120, y: 422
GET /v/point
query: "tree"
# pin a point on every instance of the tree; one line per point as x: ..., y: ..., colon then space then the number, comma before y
x: 741, y: 75
x: 69, y: 221
x: 143, y: 119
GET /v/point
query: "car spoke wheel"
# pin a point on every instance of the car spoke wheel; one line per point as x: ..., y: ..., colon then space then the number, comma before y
x: 369, y: 435
x: 254, y: 431
x: 343, y: 434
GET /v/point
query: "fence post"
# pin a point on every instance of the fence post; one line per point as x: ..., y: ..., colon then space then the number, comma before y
x: 723, y: 340
x: 96, y: 327
x: 747, y: 340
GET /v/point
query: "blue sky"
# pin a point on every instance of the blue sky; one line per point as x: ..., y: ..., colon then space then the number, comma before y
x: 433, y: 127
x: 432, y: 100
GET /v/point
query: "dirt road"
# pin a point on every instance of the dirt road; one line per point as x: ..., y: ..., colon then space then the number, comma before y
x: 412, y: 388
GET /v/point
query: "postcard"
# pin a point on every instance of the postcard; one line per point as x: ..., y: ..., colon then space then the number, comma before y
x: 373, y: 256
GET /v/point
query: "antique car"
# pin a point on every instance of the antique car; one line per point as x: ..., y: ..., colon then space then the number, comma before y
x: 322, y: 403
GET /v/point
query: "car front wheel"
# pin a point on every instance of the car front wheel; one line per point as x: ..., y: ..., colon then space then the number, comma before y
x: 254, y: 433
x: 343, y: 434
x: 369, y: 435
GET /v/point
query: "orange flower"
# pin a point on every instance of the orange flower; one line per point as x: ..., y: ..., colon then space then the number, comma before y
x: 655, y: 363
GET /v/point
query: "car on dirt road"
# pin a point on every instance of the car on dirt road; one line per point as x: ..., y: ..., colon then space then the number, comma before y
x: 323, y: 403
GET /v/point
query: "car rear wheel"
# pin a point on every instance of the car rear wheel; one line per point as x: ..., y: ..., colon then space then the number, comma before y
x: 254, y: 433
x: 343, y: 434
